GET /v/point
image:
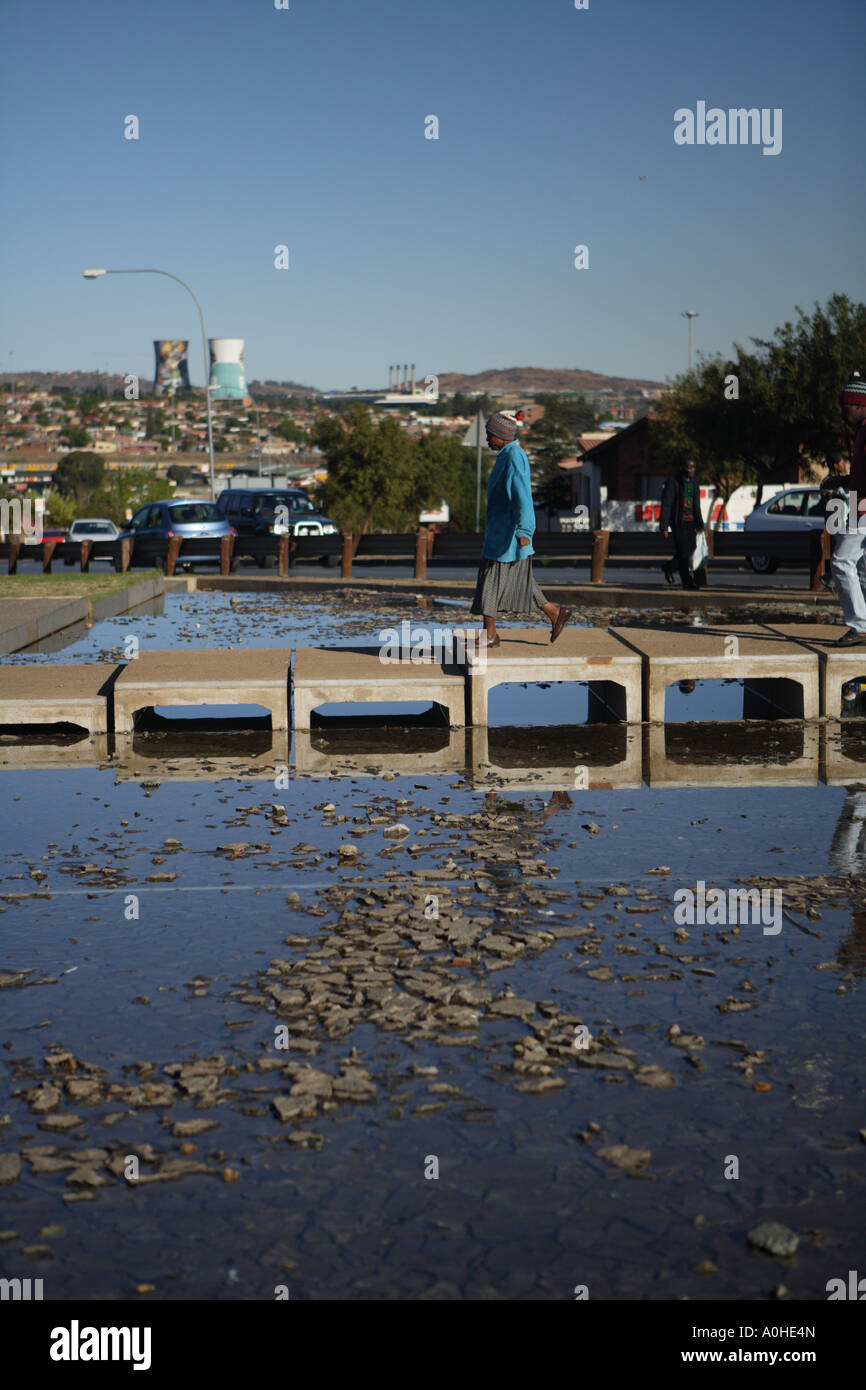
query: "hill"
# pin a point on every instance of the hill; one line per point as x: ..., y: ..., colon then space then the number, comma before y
x: 529, y: 381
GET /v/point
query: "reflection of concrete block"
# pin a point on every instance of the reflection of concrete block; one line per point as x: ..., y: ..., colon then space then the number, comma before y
x: 56, y: 757
x: 699, y: 763
x: 346, y: 675
x: 750, y: 653
x: 257, y: 676
x: 586, y: 654
x: 612, y: 758
x: 416, y: 752
x: 179, y: 757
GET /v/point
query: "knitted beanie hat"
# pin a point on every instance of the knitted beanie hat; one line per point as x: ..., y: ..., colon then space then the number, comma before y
x: 503, y: 425
x: 854, y: 391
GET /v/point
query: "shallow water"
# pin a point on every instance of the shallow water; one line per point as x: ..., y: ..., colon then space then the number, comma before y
x: 523, y: 1205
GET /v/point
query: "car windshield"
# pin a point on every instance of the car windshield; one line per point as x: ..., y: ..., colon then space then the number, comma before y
x: 99, y: 528
x: 295, y: 501
x: 184, y: 513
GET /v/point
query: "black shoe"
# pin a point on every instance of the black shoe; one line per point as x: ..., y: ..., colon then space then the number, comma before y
x: 668, y: 574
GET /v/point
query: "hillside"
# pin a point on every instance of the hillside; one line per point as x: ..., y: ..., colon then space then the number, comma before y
x: 531, y: 380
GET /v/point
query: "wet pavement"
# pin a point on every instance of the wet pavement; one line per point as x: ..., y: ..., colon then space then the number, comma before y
x: 352, y: 1017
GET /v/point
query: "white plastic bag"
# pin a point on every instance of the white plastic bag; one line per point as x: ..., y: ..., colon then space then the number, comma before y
x: 700, y: 553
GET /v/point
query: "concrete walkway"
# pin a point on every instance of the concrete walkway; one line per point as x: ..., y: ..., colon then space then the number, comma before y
x: 837, y: 664
x: 356, y: 675
x: 25, y: 620
x: 77, y: 695
x: 779, y: 673
x: 255, y: 677
x: 589, y: 654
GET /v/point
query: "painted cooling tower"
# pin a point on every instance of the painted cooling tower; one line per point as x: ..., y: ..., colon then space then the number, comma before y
x: 227, y: 369
x: 171, y: 373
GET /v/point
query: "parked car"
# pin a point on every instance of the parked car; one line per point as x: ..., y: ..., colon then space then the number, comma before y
x: 92, y: 529
x: 185, y: 517
x: 253, y: 512
x: 795, y: 509
x: 50, y: 533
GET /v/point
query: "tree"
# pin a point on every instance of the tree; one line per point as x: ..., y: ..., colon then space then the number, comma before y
x: 759, y: 416
x: 77, y: 437
x: 154, y: 422
x: 806, y: 364
x: 126, y: 489
x: 60, y: 510
x: 77, y: 475
x: 381, y: 477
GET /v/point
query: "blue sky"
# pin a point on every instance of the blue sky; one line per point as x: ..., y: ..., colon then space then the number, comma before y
x: 305, y: 127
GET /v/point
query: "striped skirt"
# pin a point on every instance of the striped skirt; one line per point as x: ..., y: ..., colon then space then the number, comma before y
x: 506, y: 586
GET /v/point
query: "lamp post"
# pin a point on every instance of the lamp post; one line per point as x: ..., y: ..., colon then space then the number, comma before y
x: 690, y: 314
x: 95, y: 274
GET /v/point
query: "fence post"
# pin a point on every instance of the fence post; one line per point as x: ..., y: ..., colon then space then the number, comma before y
x: 600, y: 543
x: 126, y: 553
x: 171, y: 554
x: 710, y: 534
x: 47, y: 552
x: 86, y: 547
x: 283, y: 558
x: 421, y: 553
x: 431, y: 536
x: 227, y: 545
x: 346, y: 559
x: 14, y: 550
x: 820, y: 551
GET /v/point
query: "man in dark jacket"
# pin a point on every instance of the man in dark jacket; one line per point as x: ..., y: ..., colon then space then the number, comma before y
x: 681, y: 515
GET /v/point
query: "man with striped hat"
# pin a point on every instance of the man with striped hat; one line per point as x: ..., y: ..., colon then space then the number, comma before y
x: 848, y: 548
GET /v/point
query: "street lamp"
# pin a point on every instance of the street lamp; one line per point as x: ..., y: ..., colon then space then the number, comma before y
x: 690, y: 314
x: 95, y: 274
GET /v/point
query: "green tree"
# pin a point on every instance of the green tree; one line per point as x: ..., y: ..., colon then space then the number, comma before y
x: 154, y: 422
x: 77, y: 437
x: 60, y: 510
x: 806, y: 364
x: 78, y: 474
x: 126, y: 489
x: 374, y: 472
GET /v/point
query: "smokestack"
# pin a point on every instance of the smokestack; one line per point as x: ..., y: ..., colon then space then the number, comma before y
x: 390, y: 377
x: 413, y: 378
x: 405, y: 376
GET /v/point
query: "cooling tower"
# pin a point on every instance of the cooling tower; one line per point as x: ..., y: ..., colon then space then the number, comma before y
x: 227, y: 369
x: 171, y: 373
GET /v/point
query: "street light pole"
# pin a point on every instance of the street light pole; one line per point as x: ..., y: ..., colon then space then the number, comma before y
x: 690, y: 314
x: 94, y: 274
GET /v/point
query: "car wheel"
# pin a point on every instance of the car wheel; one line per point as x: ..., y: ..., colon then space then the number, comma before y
x: 234, y: 565
x: 763, y: 564
x: 329, y: 561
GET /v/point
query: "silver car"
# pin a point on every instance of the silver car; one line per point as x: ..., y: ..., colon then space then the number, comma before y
x: 93, y: 528
x: 795, y: 509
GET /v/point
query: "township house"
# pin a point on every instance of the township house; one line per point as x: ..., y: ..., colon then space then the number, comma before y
x: 622, y: 467
x: 616, y: 466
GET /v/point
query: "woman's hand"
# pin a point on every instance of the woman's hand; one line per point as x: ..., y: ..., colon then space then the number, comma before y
x: 523, y: 540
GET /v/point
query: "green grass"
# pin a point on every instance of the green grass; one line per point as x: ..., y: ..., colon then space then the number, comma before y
x: 73, y: 583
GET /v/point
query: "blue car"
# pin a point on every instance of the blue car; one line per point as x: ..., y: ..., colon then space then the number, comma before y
x: 191, y: 520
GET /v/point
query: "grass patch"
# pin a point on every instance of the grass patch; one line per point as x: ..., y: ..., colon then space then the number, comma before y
x: 74, y: 584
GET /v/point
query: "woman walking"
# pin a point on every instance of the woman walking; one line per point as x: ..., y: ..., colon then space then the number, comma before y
x: 505, y: 579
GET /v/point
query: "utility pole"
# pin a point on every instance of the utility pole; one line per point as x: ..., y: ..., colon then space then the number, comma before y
x: 690, y: 314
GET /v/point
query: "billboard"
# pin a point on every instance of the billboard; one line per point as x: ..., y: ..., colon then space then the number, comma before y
x: 171, y: 373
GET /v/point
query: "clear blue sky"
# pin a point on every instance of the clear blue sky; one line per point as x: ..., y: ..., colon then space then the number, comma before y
x: 305, y: 127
